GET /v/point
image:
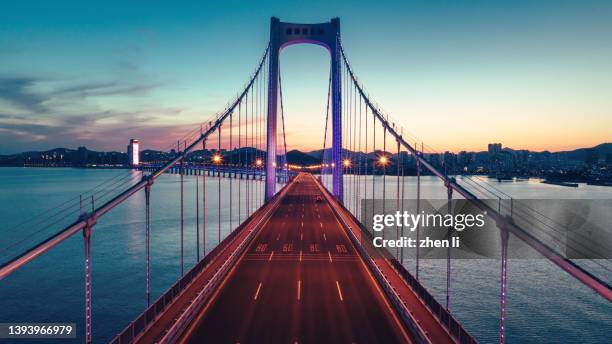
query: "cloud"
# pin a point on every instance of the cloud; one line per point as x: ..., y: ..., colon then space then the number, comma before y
x: 104, y: 130
x: 37, y: 111
x: 105, y: 89
x: 18, y: 91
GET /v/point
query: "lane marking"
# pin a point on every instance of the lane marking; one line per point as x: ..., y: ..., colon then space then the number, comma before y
x: 299, y: 293
x: 339, y: 291
x: 324, y: 237
x: 278, y: 237
x: 330, y: 258
x: 321, y: 224
x: 258, y: 289
x: 300, y: 255
x: 302, y: 223
x: 271, y: 255
x: 301, y: 235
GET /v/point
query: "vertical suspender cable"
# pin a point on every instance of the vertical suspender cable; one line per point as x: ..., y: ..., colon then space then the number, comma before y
x: 87, y: 249
x: 360, y: 171
x: 204, y: 198
x: 323, y: 163
x: 147, y: 241
x: 252, y: 145
x: 261, y: 144
x: 374, y: 163
x: 258, y: 141
x: 246, y: 154
x: 231, y: 179
x: 349, y: 141
x: 219, y: 188
x: 197, y: 199
x: 280, y: 89
x: 448, y: 255
x: 181, y: 167
x: 355, y: 150
x: 403, y: 188
x: 403, y: 163
x: 264, y: 147
x: 239, y: 165
x: 262, y: 139
x: 344, y: 130
x: 365, y: 151
x: 352, y: 143
x: 384, y: 171
x: 418, y: 206
x: 503, y: 285
x: 397, y: 197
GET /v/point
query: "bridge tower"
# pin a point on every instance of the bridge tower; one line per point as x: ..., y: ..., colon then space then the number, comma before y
x: 285, y: 34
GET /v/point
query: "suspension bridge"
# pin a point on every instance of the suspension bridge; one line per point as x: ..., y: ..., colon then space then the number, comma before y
x: 297, y: 260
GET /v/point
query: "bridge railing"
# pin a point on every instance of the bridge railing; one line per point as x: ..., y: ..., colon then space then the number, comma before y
x: 455, y: 329
x: 149, y: 315
x: 225, y: 171
x: 445, y: 317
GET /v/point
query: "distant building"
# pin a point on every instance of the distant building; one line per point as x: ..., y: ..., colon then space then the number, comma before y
x: 465, y: 161
x: 495, y: 148
x: 133, y: 152
x: 495, y: 159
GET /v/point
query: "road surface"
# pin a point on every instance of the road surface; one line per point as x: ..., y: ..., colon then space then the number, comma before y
x: 300, y: 281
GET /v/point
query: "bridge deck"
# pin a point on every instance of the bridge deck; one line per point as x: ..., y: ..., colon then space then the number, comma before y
x: 299, y: 279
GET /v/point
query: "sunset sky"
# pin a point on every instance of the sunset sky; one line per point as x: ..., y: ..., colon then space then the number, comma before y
x: 532, y: 75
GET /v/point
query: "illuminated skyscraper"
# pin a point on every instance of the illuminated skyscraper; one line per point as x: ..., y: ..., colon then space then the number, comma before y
x: 133, y: 152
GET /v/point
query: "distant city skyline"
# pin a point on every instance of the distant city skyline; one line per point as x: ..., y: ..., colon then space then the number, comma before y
x: 458, y: 76
x: 586, y: 165
x: 225, y: 147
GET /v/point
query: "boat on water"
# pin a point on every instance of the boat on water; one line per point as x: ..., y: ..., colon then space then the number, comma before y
x: 560, y: 183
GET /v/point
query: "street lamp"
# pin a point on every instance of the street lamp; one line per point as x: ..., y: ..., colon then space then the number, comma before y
x: 216, y: 158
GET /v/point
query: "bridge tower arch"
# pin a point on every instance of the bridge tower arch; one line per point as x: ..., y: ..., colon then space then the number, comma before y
x: 282, y: 35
